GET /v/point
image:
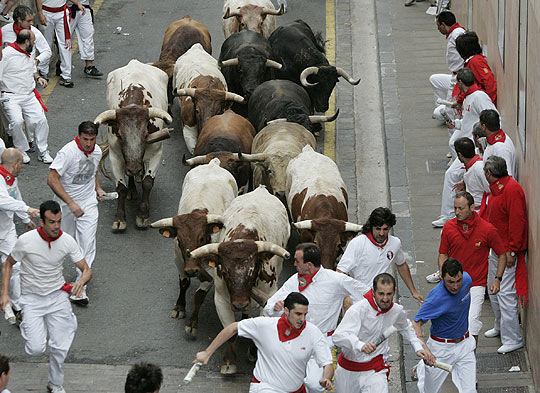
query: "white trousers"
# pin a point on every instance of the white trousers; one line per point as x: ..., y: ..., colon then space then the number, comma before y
x: 475, y: 311
x: 452, y: 175
x: 264, y: 388
x: 460, y: 356
x: 14, y: 290
x: 360, y: 382
x: 505, y: 303
x: 24, y: 109
x: 442, y: 85
x: 55, y: 25
x: 83, y: 229
x: 314, y: 373
x: 83, y: 26
x: 49, y: 315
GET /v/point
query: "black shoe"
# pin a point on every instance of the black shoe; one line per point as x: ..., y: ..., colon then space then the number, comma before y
x: 92, y: 71
x: 58, y: 70
x: 66, y: 82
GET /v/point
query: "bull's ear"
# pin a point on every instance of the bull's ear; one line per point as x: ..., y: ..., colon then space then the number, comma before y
x: 214, y: 227
x: 211, y: 260
x: 169, y: 232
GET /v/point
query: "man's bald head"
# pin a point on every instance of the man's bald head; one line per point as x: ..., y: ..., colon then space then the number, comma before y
x: 11, y: 156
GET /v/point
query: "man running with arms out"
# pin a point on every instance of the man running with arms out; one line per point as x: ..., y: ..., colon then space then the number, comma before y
x: 373, y: 252
x: 285, y: 346
x: 362, y: 365
x: 44, y: 301
x: 447, y: 307
x: 325, y: 290
x: 73, y: 178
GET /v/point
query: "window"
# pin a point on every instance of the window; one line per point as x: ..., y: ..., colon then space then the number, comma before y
x: 522, y: 74
x: 500, y: 35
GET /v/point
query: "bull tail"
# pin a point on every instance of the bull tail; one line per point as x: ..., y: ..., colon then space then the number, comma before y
x: 105, y: 152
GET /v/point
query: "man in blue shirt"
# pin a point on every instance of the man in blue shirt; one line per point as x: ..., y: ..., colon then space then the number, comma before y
x: 447, y: 307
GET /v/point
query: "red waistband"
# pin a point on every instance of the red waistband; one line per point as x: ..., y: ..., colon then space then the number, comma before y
x: 54, y: 9
x: 377, y: 364
x: 446, y: 340
x: 301, y: 390
x: 330, y: 333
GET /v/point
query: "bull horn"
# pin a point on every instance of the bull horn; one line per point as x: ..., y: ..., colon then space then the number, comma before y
x: 105, y: 116
x: 214, y: 219
x: 159, y: 113
x: 276, y: 121
x: 234, y: 97
x: 158, y: 136
x: 228, y: 14
x: 350, y: 227
x: 307, y: 72
x: 185, y: 92
x: 343, y: 73
x: 306, y: 224
x: 252, y: 157
x: 198, y: 160
x: 229, y: 62
x: 164, y: 222
x: 273, y: 248
x: 274, y: 64
x: 323, y: 119
x: 212, y: 248
x: 270, y: 11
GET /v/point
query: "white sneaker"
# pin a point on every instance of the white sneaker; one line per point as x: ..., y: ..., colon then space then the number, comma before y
x: 81, y: 301
x: 492, y: 333
x: 45, y: 157
x: 439, y: 222
x: 433, y: 278
x: 449, y: 155
x: 52, y: 388
x: 25, y: 157
x: 509, y: 347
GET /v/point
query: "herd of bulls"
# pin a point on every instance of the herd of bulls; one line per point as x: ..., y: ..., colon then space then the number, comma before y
x: 248, y: 119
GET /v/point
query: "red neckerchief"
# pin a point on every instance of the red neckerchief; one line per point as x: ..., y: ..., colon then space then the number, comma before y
x: 47, y: 238
x: 474, y: 87
x: 497, y: 186
x: 16, y: 46
x: 369, y: 235
x: 17, y: 29
x: 371, y: 299
x: 304, y: 281
x: 452, y: 28
x: 466, y: 227
x: 86, y: 153
x: 498, y: 136
x: 286, y: 331
x: 471, y: 162
x: 10, y: 179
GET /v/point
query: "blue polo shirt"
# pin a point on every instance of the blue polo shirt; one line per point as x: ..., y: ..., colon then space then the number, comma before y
x: 449, y: 314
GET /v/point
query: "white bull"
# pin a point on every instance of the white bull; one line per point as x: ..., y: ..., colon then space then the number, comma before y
x: 255, y: 15
x: 137, y: 101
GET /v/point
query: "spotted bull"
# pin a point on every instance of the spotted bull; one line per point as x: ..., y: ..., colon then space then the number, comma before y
x: 254, y: 15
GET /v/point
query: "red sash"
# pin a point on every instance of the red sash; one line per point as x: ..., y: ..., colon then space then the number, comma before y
x: 301, y: 390
x: 376, y: 364
x: 67, y: 14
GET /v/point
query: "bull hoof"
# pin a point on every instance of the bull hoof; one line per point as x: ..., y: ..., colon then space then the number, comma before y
x: 178, y: 314
x: 191, y: 331
x: 228, y: 369
x: 142, y: 223
x: 118, y: 226
x: 132, y: 195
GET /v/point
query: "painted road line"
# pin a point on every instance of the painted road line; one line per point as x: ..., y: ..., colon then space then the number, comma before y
x: 330, y: 127
x: 45, y: 94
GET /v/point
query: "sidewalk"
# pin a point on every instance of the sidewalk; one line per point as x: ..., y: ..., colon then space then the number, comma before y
x: 410, y: 50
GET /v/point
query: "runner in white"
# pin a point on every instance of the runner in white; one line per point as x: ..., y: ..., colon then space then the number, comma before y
x: 325, y: 290
x: 11, y: 203
x: 285, y: 346
x: 474, y: 180
x: 73, y: 178
x: 374, y: 251
x: 83, y: 25
x: 45, y: 306
x: 362, y: 366
x: 498, y: 142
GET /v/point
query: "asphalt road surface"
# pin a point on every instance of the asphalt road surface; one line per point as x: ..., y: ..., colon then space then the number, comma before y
x: 135, y: 282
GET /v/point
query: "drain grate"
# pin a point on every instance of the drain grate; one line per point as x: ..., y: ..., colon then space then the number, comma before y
x: 513, y: 389
x: 437, y: 166
x: 488, y: 363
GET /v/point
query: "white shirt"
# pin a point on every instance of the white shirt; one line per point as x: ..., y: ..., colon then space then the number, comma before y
x: 361, y: 325
x: 2, y: 148
x: 17, y: 72
x: 9, y: 36
x: 53, y: 3
x: 77, y: 172
x: 473, y: 105
x: 10, y: 203
x: 282, y: 364
x: 325, y: 295
x: 41, y: 266
x: 364, y: 260
x: 505, y: 150
x: 475, y: 182
x: 453, y: 58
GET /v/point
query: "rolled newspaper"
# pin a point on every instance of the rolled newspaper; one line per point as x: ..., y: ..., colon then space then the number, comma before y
x: 9, y: 314
x: 444, y: 366
x: 109, y: 196
x: 445, y: 115
x: 387, y: 333
x: 440, y: 101
x: 192, y: 372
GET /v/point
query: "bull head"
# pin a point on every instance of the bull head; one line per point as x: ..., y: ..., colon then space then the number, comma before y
x: 251, y: 17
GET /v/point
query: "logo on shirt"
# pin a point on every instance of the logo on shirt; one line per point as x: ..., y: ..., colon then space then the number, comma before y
x: 12, y: 191
x: 85, y: 173
x: 498, y: 137
x: 467, y: 296
x: 478, y: 244
x: 465, y: 227
x: 303, y: 348
x: 486, y: 70
x: 500, y: 186
x: 288, y: 332
x: 389, y: 255
x: 302, y: 282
